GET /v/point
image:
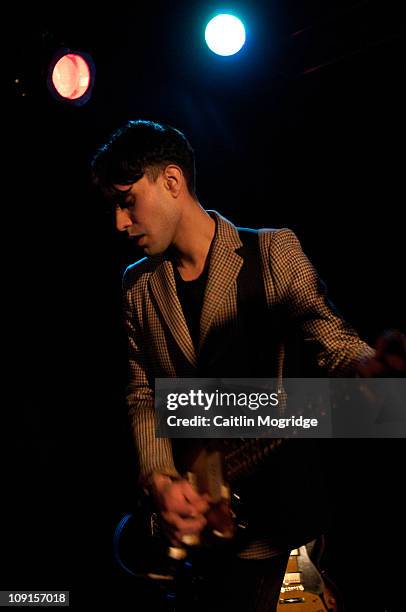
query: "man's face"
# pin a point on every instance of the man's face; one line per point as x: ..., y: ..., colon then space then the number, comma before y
x: 148, y: 213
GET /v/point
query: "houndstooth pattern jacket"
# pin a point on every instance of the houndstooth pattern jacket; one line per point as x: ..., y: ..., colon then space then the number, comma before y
x: 159, y: 340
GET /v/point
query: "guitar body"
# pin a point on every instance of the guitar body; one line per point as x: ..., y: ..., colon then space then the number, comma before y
x: 140, y: 546
x: 219, y: 468
x: 303, y: 588
x: 303, y: 602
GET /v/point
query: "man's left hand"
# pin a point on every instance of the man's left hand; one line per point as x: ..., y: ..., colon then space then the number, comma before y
x: 389, y: 359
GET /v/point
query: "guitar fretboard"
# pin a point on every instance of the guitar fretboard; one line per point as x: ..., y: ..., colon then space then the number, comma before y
x: 243, y: 457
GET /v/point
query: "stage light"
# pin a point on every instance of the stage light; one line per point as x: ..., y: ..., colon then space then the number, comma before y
x: 225, y: 34
x: 71, y: 77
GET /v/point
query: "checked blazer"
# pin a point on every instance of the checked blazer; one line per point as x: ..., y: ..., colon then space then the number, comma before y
x: 160, y: 344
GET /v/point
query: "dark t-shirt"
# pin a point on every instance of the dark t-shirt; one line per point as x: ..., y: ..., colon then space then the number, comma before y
x: 191, y: 294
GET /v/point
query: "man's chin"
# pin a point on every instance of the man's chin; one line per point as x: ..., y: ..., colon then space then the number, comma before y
x: 151, y: 251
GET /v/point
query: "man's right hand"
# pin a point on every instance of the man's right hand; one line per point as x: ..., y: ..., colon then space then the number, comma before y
x: 182, y: 509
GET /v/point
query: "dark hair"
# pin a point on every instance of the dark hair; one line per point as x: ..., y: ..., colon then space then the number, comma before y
x: 141, y: 147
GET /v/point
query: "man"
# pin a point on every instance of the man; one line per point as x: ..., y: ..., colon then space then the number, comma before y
x: 181, y: 314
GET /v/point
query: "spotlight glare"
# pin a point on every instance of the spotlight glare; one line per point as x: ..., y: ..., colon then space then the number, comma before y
x: 225, y: 34
x: 71, y: 76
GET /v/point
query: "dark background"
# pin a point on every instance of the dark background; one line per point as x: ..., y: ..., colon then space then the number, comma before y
x: 303, y: 128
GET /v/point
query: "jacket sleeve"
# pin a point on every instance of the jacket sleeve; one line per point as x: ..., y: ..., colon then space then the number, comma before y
x: 302, y: 292
x: 154, y: 454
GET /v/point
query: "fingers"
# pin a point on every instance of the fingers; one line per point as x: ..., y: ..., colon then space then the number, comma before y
x: 389, y: 359
x: 192, y: 495
x: 185, y: 500
x: 391, y: 350
x: 371, y: 368
x: 177, y: 526
x: 182, y: 510
x: 185, y: 524
x: 382, y: 366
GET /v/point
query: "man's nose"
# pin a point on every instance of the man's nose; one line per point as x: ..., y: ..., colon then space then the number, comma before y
x: 123, y: 219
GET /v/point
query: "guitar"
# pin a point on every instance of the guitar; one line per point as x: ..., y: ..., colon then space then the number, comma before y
x: 219, y: 468
x: 303, y: 588
x: 209, y: 465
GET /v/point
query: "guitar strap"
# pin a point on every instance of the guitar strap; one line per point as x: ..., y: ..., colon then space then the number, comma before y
x: 252, y: 349
x: 274, y: 341
x: 254, y: 353
x: 258, y: 323
x: 251, y: 297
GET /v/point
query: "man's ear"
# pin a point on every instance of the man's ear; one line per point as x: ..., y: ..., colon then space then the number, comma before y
x: 173, y: 179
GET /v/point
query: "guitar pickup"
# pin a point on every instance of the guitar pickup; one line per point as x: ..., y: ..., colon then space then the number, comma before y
x: 292, y: 578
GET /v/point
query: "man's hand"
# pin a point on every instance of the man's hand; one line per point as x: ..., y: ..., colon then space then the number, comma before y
x: 182, y: 509
x: 389, y: 359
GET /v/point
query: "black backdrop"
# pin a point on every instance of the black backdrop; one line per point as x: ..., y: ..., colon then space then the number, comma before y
x: 304, y: 129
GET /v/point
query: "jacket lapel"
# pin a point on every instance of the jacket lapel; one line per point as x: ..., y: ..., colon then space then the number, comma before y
x: 163, y: 287
x: 224, y: 267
